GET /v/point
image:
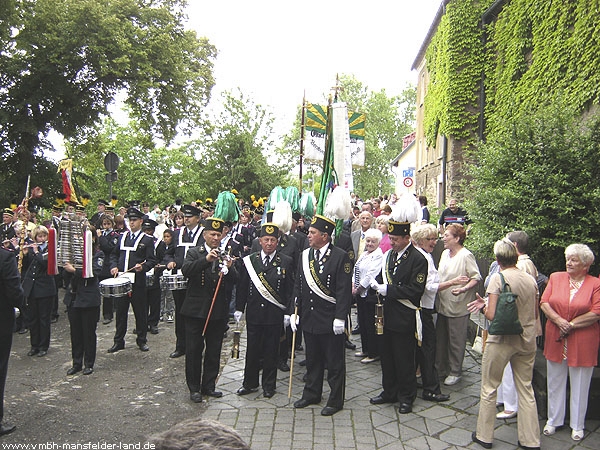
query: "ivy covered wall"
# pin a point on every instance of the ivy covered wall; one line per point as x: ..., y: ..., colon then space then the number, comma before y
x: 534, y: 51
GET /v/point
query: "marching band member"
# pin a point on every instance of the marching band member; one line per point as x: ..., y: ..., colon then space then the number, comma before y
x: 135, y: 252
x: 189, y: 236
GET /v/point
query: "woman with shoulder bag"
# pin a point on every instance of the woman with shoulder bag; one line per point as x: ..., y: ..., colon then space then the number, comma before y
x: 518, y: 349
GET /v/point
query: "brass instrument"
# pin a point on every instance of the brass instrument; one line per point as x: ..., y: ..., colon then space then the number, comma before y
x: 70, y: 240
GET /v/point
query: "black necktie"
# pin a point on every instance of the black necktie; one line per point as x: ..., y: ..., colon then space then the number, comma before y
x: 133, y: 237
x: 317, y: 255
x: 267, y: 259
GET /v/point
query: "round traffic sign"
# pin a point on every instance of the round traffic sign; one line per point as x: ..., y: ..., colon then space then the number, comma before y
x: 111, y: 162
x: 408, y: 181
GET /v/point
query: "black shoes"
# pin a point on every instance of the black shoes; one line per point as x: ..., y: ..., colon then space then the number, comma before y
x: 526, y: 447
x: 329, y: 411
x: 196, y: 397
x: 302, y: 403
x: 283, y: 366
x: 405, y: 408
x: 153, y: 329
x: 106, y: 320
x: 268, y: 394
x: 380, y: 400
x: 42, y: 353
x: 88, y: 371
x: 73, y: 370
x: 245, y: 391
x: 33, y: 351
x: 115, y: 348
x: 176, y: 354
x: 144, y: 347
x: 6, y: 428
x: 356, y: 331
x: 350, y: 345
x: 476, y: 440
x: 215, y: 394
x: 431, y: 397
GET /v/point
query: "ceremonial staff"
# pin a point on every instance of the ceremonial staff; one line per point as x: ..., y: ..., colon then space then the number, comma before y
x: 293, y: 352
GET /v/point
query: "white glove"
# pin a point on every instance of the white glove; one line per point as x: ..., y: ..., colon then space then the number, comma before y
x: 224, y: 269
x: 338, y: 326
x: 17, y: 312
x: 294, y: 322
x: 286, y: 321
x: 374, y: 284
x: 382, y: 289
x: 237, y: 316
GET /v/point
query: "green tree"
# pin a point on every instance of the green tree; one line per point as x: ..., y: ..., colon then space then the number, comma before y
x: 63, y: 62
x: 238, y: 152
x: 539, y: 174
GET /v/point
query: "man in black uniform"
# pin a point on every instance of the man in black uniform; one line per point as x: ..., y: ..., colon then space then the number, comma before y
x: 403, y: 278
x: 108, y: 239
x: 152, y: 280
x: 265, y: 292
x: 11, y: 296
x: 7, y: 231
x: 206, y: 271
x: 96, y: 219
x: 134, y: 253
x: 323, y: 292
x: 184, y: 239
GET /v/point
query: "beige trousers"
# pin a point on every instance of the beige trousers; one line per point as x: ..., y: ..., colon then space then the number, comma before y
x: 495, y: 358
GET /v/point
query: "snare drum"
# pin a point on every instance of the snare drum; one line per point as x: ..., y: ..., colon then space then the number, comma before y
x: 175, y: 282
x: 150, y: 278
x: 115, y: 287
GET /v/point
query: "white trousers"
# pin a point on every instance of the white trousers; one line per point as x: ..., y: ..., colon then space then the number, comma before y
x: 507, y: 393
x: 580, y: 378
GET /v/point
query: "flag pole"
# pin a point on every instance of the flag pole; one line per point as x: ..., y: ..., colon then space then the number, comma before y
x: 302, y: 138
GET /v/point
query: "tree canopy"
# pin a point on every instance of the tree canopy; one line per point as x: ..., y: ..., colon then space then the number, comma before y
x: 63, y: 62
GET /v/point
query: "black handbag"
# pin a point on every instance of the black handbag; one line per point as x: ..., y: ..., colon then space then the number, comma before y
x: 506, y: 319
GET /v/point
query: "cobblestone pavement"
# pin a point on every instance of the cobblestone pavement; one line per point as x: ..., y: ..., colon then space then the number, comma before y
x: 132, y: 395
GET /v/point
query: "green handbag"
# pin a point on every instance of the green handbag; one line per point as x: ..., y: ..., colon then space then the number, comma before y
x: 506, y: 318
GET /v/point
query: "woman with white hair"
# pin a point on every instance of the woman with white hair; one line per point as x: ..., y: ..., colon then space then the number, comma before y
x: 366, y: 269
x: 571, y: 302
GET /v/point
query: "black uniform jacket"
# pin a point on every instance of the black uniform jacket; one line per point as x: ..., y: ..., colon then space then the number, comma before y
x: 279, y: 276
x: 408, y: 275
x: 36, y: 282
x: 86, y: 293
x: 316, y: 313
x: 176, y: 251
x: 143, y: 254
x: 107, y: 243
x: 203, y: 277
x: 11, y: 292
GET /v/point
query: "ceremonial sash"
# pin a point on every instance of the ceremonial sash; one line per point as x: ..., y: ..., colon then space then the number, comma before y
x: 261, y: 284
x: 387, y: 279
x: 310, y: 274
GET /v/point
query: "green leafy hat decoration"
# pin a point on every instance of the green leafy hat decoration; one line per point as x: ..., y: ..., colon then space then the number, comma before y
x: 227, y: 208
x: 293, y: 198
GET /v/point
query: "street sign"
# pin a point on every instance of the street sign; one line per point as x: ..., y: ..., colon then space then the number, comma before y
x: 111, y: 162
x: 408, y: 182
x: 111, y: 177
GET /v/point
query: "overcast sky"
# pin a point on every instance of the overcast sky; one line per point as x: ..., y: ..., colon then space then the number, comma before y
x: 275, y: 50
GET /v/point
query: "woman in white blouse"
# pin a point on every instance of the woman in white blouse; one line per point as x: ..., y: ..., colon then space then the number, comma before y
x: 457, y: 264
x: 366, y: 269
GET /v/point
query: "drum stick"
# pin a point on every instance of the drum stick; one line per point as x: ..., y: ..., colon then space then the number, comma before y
x: 128, y: 270
x: 293, y: 352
